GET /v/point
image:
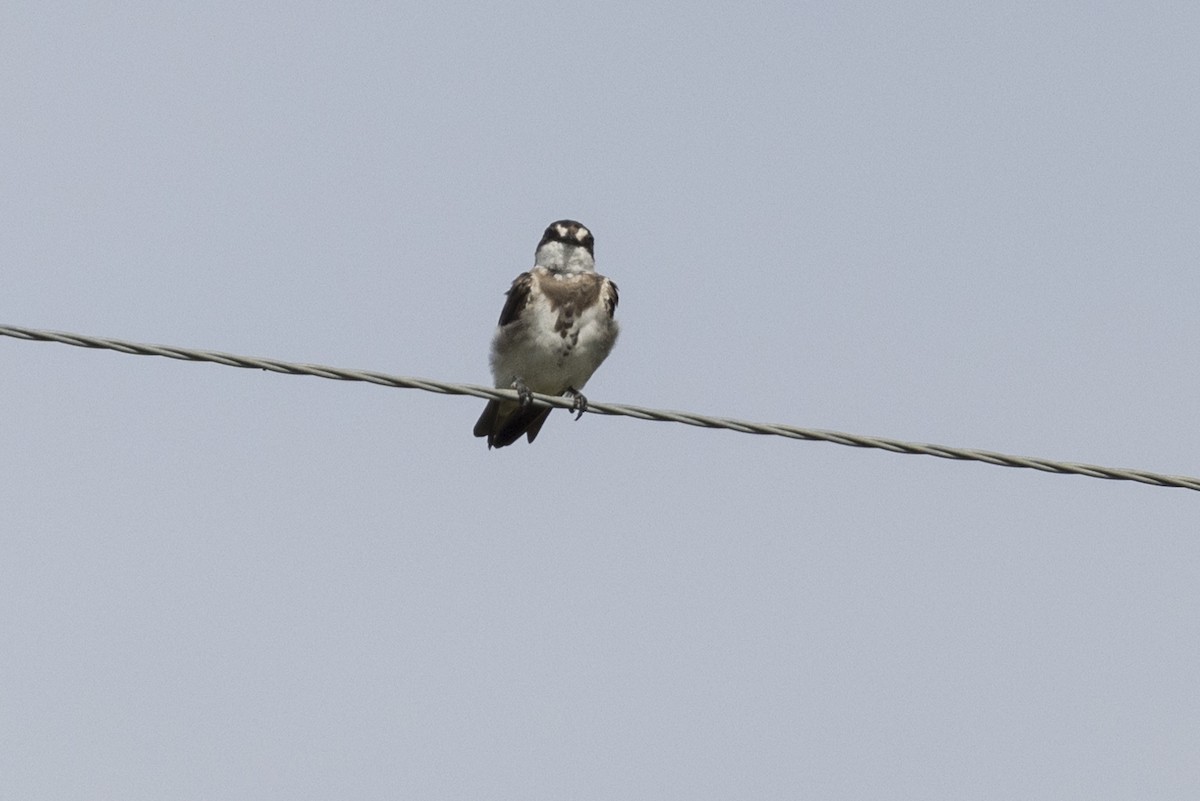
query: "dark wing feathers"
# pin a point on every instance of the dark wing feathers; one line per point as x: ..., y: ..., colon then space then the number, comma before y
x: 518, y: 296
x: 610, y: 300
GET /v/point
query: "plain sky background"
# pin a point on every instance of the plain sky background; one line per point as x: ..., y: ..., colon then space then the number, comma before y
x: 973, y: 224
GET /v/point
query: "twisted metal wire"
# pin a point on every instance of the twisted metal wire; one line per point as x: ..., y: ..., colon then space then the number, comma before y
x: 637, y: 412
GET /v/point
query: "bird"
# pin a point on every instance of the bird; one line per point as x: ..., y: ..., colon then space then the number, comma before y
x: 556, y: 328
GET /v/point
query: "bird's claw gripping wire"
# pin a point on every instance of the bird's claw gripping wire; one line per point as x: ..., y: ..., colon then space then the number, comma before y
x: 578, y: 401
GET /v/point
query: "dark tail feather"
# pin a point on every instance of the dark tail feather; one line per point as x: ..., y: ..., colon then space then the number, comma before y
x: 533, y: 428
x: 504, y: 423
x: 487, y: 420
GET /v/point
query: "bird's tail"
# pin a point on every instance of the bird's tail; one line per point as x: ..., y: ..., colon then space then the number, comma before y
x: 503, y: 422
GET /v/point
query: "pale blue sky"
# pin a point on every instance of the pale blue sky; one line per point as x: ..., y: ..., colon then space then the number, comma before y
x: 971, y: 224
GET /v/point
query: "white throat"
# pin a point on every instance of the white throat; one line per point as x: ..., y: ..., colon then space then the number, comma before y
x: 559, y: 257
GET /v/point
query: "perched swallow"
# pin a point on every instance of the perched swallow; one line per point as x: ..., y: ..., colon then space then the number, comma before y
x: 556, y: 328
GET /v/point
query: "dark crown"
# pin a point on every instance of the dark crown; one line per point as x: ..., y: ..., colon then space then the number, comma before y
x: 570, y: 233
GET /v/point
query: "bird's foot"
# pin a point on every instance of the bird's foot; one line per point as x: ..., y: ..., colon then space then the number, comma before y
x: 578, y: 401
x: 524, y: 395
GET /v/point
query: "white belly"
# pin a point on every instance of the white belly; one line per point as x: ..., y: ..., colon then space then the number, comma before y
x: 551, y: 361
